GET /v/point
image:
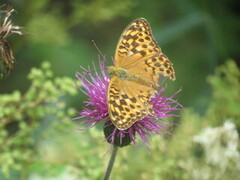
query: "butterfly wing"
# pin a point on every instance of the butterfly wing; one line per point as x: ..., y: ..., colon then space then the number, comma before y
x: 128, y: 102
x: 138, y: 52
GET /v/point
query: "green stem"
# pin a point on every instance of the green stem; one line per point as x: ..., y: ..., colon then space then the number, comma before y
x: 110, y: 163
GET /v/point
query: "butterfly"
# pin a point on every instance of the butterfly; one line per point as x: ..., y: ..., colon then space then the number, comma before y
x: 138, y: 63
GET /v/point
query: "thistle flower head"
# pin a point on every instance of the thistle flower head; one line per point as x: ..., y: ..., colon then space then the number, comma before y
x: 95, y: 86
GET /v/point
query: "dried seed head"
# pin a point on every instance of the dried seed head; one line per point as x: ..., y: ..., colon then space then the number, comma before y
x: 6, y: 29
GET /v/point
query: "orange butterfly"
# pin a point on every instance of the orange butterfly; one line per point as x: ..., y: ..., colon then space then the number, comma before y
x: 139, y: 62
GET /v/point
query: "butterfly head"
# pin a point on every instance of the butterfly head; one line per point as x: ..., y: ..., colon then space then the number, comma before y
x: 120, y: 72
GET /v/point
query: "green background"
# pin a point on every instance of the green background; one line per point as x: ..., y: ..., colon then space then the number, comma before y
x: 197, y: 36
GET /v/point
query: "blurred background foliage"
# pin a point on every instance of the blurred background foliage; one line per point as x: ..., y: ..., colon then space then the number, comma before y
x: 202, y: 40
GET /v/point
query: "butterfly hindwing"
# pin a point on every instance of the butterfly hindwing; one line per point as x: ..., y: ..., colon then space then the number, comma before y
x: 150, y: 69
x: 128, y: 102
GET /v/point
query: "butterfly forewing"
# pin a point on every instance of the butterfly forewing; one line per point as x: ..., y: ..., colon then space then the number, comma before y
x: 137, y: 49
x: 135, y: 43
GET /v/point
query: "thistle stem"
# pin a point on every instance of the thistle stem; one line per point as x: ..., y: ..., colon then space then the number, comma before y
x: 110, y: 163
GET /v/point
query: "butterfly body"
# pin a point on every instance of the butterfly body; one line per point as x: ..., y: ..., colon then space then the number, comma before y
x: 134, y: 77
x: 120, y: 72
x: 123, y: 74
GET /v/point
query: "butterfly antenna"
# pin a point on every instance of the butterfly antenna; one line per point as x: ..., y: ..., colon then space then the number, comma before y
x: 98, y: 49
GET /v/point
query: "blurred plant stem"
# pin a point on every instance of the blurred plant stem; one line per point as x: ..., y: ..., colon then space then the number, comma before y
x: 111, y: 163
x: 24, y: 172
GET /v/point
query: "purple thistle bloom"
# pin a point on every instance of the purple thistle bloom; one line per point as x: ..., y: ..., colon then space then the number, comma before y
x: 96, y: 109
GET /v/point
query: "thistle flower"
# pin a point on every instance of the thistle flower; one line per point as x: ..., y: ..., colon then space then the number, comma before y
x: 6, y: 29
x: 95, y: 86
